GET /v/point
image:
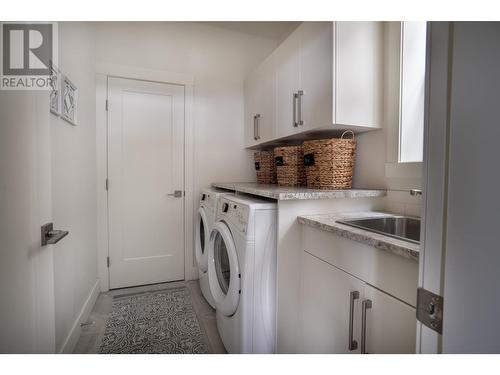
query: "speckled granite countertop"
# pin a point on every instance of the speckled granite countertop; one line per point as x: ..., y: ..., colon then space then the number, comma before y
x: 290, y: 193
x: 328, y: 222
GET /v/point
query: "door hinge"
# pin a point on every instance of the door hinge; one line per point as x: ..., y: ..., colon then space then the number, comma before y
x: 107, y: 184
x: 107, y: 262
x: 430, y: 310
x: 107, y: 105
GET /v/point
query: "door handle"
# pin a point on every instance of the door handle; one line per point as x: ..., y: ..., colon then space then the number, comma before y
x: 365, y: 305
x: 353, y: 344
x: 294, y: 108
x: 256, y: 135
x: 300, y: 93
x: 51, y: 236
x: 176, y: 194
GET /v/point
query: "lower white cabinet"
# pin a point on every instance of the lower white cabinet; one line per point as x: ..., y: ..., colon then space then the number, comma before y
x: 333, y: 320
x: 326, y: 293
x: 391, y: 325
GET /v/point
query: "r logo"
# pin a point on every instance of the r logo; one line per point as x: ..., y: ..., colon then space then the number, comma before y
x: 27, y: 48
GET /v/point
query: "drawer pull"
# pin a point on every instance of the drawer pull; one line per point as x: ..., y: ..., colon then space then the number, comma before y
x: 365, y: 305
x: 353, y: 344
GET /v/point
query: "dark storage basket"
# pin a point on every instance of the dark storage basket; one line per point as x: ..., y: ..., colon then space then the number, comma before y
x: 329, y: 163
x: 290, y: 166
x: 265, y: 167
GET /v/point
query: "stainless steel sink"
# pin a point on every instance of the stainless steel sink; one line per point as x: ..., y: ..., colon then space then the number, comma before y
x: 400, y: 227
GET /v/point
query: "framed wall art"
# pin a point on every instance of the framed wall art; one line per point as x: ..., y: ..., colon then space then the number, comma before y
x: 69, y: 100
x: 55, y: 90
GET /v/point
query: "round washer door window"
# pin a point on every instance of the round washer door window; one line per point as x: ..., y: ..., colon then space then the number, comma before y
x: 221, y: 259
x: 223, y: 270
x: 202, y: 233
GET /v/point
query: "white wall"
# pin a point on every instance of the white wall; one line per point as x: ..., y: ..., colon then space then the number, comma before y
x: 219, y: 59
x: 74, y: 187
x: 376, y: 153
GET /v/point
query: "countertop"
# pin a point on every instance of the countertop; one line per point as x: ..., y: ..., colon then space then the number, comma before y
x: 328, y: 222
x: 291, y: 193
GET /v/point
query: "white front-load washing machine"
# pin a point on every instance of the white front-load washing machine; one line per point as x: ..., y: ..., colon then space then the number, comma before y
x: 242, y: 273
x: 204, y: 223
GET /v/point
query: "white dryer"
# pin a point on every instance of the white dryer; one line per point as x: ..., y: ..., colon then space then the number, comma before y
x: 242, y: 273
x: 204, y: 223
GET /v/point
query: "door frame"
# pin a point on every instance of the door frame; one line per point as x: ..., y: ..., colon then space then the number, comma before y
x: 103, y: 71
x: 435, y: 172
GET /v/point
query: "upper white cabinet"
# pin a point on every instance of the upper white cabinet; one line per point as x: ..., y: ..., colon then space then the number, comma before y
x: 358, y: 74
x: 260, y: 104
x: 287, y: 60
x: 315, y: 90
x: 326, y: 76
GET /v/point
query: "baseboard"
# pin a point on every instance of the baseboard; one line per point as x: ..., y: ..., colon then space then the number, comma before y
x: 192, y: 274
x: 74, y: 333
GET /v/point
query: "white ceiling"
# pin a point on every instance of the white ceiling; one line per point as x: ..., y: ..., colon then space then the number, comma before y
x: 271, y: 30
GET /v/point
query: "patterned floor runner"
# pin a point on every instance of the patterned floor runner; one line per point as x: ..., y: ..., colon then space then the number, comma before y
x: 162, y: 321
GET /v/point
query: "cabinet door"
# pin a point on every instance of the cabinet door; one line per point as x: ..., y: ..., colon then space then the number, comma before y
x: 250, y: 92
x: 358, y: 73
x: 390, y: 324
x: 287, y: 83
x: 325, y: 308
x: 265, y: 100
x: 316, y: 59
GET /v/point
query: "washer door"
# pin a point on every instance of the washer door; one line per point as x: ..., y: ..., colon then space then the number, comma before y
x: 202, y: 233
x: 223, y: 270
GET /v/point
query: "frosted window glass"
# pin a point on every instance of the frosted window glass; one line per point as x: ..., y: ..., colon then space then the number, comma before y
x: 411, y: 126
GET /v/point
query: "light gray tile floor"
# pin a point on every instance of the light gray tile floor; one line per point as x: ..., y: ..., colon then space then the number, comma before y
x: 93, y: 330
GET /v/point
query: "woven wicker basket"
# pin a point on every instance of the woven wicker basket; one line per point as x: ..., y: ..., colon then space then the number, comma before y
x: 290, y: 166
x: 265, y: 167
x: 329, y: 163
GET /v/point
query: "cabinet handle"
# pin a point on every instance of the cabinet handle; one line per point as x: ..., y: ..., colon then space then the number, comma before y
x: 365, y: 305
x: 300, y: 93
x: 256, y: 127
x: 294, y: 108
x: 353, y: 344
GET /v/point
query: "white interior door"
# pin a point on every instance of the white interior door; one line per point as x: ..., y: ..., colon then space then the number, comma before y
x: 27, y: 317
x: 145, y: 167
x: 460, y: 240
x: 472, y: 257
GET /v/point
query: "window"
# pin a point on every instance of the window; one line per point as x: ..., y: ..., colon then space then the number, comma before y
x: 412, y: 91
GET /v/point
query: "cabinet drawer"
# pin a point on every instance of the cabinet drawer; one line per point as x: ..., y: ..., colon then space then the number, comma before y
x: 393, y: 274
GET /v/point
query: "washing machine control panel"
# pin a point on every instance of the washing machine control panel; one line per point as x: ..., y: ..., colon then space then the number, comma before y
x: 234, y: 212
x: 208, y: 199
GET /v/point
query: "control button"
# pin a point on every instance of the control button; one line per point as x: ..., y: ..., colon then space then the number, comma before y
x: 203, y: 197
x: 225, y: 207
